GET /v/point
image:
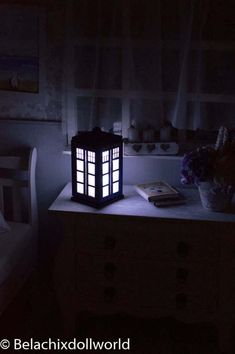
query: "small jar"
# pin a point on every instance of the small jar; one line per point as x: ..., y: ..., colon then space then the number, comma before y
x: 165, y: 132
x: 148, y: 135
x: 133, y: 133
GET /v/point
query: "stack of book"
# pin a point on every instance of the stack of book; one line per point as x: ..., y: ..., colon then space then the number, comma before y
x: 160, y: 193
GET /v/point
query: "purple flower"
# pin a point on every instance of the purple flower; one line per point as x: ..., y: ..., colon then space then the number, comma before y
x: 198, y: 166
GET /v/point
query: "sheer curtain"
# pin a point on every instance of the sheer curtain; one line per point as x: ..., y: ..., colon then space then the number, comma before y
x: 153, y: 61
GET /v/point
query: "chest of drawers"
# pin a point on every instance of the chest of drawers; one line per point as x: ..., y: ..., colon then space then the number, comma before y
x: 133, y: 258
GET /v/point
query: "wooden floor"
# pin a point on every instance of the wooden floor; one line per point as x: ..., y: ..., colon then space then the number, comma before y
x: 35, y: 314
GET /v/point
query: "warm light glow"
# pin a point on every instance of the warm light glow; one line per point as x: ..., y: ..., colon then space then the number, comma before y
x: 90, y: 156
x: 91, y: 168
x: 115, y: 176
x: 105, y: 180
x: 105, y: 168
x: 105, y: 191
x: 91, y: 180
x: 115, y: 187
x: 80, y: 188
x: 115, y: 164
x: 80, y: 177
x: 80, y: 165
x: 80, y: 154
x: 105, y: 156
x: 91, y: 191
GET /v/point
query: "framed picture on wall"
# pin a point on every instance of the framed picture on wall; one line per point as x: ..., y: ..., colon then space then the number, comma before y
x: 19, y: 73
x: 19, y: 51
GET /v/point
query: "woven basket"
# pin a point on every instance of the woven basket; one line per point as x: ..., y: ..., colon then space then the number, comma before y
x: 214, y: 198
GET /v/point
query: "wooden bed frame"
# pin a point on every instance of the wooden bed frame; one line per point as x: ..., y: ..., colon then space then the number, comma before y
x: 18, y: 203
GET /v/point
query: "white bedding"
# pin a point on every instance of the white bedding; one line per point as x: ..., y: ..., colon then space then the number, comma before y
x: 14, y: 245
x: 3, y: 224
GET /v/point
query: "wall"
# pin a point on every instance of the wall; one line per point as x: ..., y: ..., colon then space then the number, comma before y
x: 38, y: 33
x: 138, y: 169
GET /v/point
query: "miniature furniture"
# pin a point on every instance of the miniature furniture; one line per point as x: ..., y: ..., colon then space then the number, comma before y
x: 131, y: 257
x: 18, y: 203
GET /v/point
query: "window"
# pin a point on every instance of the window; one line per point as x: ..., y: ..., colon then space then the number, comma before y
x: 105, y: 173
x: 85, y: 161
x: 150, y: 61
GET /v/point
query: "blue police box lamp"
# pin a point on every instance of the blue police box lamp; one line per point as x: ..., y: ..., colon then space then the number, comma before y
x: 97, y: 160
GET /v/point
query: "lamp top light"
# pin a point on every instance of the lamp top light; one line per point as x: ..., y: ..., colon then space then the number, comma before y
x: 96, y: 139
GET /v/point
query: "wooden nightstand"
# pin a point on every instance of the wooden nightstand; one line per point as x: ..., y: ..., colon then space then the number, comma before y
x: 131, y: 257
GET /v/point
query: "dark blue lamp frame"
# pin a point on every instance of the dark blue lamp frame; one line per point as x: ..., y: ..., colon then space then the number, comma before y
x: 97, y: 168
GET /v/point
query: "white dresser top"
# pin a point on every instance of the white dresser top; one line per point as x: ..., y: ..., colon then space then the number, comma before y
x: 135, y: 205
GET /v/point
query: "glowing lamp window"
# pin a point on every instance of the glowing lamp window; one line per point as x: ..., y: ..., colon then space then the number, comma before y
x: 80, y: 165
x: 115, y: 187
x: 80, y: 177
x: 105, y: 156
x: 105, y: 191
x: 80, y: 188
x: 115, y: 165
x: 115, y: 152
x: 115, y: 176
x: 91, y: 180
x: 90, y: 156
x: 91, y: 168
x: 105, y: 168
x: 80, y: 154
x: 91, y: 191
x: 105, y: 180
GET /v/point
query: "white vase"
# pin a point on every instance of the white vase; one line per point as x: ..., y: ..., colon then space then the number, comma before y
x: 214, y: 197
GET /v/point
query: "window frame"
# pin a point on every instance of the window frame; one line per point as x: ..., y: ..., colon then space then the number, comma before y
x: 126, y: 93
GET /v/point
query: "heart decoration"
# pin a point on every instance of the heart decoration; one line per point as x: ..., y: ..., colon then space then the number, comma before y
x: 165, y: 147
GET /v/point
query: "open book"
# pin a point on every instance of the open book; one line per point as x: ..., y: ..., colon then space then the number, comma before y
x: 155, y: 191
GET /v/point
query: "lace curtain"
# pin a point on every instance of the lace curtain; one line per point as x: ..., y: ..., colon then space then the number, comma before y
x: 152, y: 62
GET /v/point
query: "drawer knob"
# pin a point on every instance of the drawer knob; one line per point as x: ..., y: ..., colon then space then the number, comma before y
x: 181, y: 301
x: 109, y: 243
x: 109, y: 270
x: 182, y: 249
x: 182, y: 275
x: 109, y: 294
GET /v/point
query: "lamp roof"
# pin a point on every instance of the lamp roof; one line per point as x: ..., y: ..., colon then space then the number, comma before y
x: 96, y: 139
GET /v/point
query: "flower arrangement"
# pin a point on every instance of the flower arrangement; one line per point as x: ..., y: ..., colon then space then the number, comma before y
x: 211, y: 164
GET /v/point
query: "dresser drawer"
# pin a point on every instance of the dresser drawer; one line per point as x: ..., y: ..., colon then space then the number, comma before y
x: 146, y: 285
x: 147, y: 238
x: 185, y: 304
x: 119, y: 237
x: 106, y: 285
x: 106, y: 271
x: 161, y: 283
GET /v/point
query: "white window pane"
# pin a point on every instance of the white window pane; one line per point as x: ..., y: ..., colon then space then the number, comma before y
x: 105, y: 168
x: 91, y: 156
x: 115, y: 176
x: 116, y: 152
x: 91, y: 180
x: 105, y: 156
x: 80, y: 153
x: 105, y: 180
x: 80, y: 188
x: 115, y: 164
x: 91, y: 191
x: 80, y: 165
x: 91, y: 168
x: 80, y: 177
x: 115, y: 187
x: 105, y: 191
